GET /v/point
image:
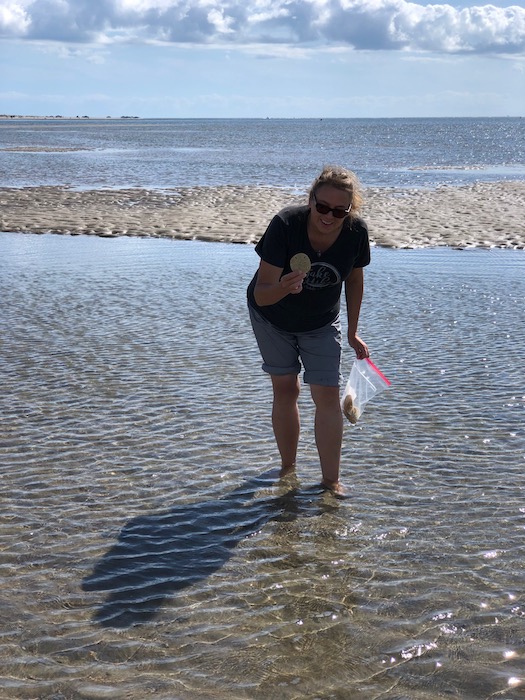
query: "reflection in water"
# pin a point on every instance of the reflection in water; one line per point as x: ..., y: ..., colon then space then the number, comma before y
x: 159, y: 554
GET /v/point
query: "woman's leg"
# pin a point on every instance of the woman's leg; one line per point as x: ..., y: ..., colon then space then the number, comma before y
x: 328, y: 432
x: 285, y: 419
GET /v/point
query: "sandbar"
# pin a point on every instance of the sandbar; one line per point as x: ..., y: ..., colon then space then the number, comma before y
x: 481, y: 215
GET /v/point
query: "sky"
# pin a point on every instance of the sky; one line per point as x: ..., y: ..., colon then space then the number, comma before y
x: 262, y: 58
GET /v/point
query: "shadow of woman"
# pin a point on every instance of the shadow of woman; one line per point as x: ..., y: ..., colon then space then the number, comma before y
x: 161, y: 553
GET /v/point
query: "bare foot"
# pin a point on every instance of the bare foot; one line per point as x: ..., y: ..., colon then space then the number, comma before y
x: 286, y: 470
x: 335, y: 487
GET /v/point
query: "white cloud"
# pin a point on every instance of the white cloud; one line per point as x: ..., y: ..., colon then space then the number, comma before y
x: 443, y: 28
x: 219, y: 21
x: 360, y: 24
x: 14, y: 21
x: 71, y: 52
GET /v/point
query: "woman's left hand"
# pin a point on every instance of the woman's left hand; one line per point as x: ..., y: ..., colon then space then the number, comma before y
x: 360, y: 347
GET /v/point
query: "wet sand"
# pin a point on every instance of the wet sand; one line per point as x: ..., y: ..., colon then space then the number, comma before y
x: 482, y: 215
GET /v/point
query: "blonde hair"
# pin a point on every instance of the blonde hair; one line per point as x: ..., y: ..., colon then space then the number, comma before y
x: 342, y: 179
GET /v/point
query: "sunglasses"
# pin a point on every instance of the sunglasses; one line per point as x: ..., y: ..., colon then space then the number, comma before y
x: 323, y: 209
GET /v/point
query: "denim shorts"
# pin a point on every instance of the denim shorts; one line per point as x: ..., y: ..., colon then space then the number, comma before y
x: 319, y: 350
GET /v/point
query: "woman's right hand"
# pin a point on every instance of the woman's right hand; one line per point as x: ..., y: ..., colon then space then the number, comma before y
x: 292, y: 283
x: 270, y: 287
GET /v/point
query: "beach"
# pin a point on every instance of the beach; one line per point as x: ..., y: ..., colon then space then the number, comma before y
x: 148, y: 548
x: 480, y: 215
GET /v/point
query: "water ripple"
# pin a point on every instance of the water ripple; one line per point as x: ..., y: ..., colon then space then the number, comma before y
x: 146, y: 546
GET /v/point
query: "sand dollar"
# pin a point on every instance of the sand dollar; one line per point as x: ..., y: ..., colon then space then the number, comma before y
x: 350, y: 411
x: 300, y: 263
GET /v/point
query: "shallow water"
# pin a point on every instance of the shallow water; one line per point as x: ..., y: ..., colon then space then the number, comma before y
x: 146, y: 546
x: 166, y: 153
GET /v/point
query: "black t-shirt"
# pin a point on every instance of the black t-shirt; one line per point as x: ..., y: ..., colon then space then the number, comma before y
x: 319, y: 301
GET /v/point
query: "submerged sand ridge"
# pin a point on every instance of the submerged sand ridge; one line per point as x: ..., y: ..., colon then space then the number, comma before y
x: 480, y: 215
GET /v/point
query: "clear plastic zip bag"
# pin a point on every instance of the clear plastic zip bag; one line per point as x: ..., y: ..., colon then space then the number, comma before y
x: 365, y: 381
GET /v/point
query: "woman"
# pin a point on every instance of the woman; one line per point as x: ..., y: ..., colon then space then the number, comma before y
x: 295, y: 315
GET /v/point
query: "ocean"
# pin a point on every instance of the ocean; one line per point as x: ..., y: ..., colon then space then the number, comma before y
x: 165, y: 153
x: 146, y: 545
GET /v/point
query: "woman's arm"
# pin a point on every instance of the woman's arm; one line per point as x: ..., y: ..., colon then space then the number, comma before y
x: 354, y: 287
x: 271, y: 287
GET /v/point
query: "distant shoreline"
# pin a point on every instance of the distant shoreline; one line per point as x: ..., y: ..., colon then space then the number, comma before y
x: 483, y: 215
x: 57, y: 117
